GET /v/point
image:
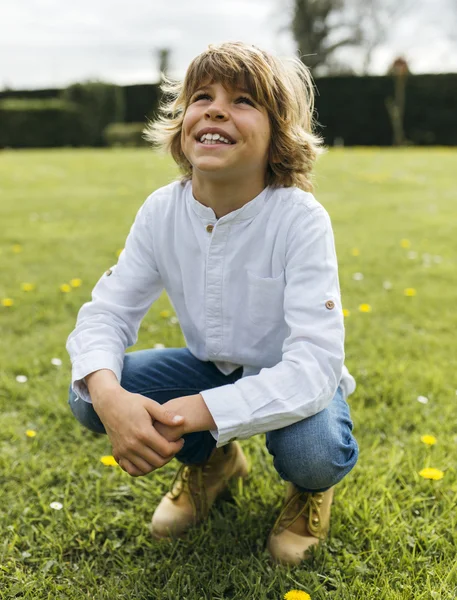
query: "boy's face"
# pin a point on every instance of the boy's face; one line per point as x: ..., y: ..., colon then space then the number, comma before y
x: 234, y: 115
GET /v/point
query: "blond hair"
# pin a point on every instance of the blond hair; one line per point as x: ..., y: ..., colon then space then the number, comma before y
x: 283, y: 87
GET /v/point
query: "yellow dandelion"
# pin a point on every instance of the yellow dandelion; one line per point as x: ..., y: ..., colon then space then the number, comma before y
x: 409, y: 292
x: 65, y: 288
x: 30, y: 433
x: 430, y: 440
x: 297, y: 595
x: 346, y: 312
x: 365, y: 308
x: 431, y: 473
x: 75, y: 282
x: 17, y: 248
x: 119, y: 252
x: 27, y: 287
x: 405, y: 244
x: 355, y: 252
x: 165, y: 314
x: 108, y: 461
x: 7, y: 302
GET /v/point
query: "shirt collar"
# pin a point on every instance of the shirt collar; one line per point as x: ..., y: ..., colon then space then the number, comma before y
x: 246, y: 212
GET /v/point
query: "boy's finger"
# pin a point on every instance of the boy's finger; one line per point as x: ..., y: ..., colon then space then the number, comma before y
x: 163, y: 414
x: 143, y: 463
x: 159, y: 447
x: 129, y: 467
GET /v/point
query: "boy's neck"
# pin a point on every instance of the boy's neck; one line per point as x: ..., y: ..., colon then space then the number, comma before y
x: 225, y: 196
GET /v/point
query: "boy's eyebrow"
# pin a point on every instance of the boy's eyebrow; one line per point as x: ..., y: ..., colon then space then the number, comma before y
x: 236, y: 89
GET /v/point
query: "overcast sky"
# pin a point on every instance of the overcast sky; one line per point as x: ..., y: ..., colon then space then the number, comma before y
x: 52, y: 43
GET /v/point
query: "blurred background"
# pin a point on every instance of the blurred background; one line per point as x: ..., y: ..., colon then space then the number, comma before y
x: 88, y: 74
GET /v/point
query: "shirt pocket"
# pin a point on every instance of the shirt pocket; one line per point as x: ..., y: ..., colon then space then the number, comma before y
x: 265, y: 299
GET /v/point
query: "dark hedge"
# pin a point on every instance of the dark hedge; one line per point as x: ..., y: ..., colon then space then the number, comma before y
x: 350, y: 110
x: 354, y: 109
x: 35, y: 123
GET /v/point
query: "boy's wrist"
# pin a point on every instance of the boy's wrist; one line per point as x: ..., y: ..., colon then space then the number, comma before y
x: 195, y: 412
x: 101, y: 383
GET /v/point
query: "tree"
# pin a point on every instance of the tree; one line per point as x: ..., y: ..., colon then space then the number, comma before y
x: 323, y: 27
x: 396, y: 105
x: 377, y: 19
x: 320, y: 27
x: 163, y: 57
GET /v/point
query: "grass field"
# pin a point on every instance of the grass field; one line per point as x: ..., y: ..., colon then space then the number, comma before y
x: 64, y: 215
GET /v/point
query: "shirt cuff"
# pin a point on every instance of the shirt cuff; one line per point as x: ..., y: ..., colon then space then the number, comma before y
x: 230, y: 413
x: 215, y: 434
x: 89, y: 363
x: 347, y: 383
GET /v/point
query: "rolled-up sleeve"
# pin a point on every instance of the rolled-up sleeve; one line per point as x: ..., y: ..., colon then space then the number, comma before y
x: 109, y: 322
x: 304, y: 382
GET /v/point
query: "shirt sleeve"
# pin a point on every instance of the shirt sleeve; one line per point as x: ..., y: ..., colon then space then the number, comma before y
x: 109, y: 322
x: 305, y: 381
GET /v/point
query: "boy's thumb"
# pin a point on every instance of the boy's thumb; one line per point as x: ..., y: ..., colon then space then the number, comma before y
x: 164, y: 415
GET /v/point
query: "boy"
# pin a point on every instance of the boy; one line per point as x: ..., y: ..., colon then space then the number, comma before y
x: 247, y: 257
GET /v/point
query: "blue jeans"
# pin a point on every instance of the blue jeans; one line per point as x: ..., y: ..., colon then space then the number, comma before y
x: 314, y: 454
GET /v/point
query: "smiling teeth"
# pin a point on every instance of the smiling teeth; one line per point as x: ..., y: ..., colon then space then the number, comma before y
x: 213, y: 138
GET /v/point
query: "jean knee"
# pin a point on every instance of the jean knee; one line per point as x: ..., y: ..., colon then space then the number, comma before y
x: 315, y: 466
x: 84, y: 413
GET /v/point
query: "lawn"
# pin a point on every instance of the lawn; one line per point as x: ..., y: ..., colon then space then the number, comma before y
x: 64, y: 216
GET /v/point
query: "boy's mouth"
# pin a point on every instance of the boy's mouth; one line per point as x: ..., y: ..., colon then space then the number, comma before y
x: 213, y: 136
x: 207, y: 140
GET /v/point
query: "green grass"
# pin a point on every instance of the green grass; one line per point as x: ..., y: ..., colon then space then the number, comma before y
x: 393, y: 533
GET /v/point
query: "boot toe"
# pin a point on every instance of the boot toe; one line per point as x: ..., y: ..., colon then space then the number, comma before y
x: 169, y: 521
x: 290, y: 548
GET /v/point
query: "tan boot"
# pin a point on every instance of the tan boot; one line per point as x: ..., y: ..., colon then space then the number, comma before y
x: 194, y: 490
x: 303, y: 522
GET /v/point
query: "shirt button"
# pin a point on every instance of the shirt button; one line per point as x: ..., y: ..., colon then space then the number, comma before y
x: 209, y: 228
x: 108, y: 272
x: 330, y: 304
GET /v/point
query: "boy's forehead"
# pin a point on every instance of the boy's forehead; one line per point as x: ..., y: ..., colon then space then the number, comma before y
x: 239, y: 84
x: 227, y: 85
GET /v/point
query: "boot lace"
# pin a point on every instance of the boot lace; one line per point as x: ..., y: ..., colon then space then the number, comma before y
x: 307, y: 504
x: 189, y: 479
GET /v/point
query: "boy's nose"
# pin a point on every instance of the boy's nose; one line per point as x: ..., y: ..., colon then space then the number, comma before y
x: 216, y: 113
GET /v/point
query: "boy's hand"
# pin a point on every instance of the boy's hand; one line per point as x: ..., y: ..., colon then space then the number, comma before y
x: 129, y: 419
x: 172, y: 433
x: 196, y: 417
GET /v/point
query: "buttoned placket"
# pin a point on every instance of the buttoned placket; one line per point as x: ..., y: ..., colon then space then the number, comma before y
x: 217, y: 232
x: 217, y: 238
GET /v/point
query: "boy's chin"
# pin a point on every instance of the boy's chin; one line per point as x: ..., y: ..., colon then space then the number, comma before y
x: 212, y: 167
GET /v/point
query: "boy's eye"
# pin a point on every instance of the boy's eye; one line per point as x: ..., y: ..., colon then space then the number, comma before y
x: 205, y: 96
x: 245, y: 99
x: 201, y: 97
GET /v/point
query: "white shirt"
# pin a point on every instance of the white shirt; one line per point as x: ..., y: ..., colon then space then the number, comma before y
x: 258, y: 289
